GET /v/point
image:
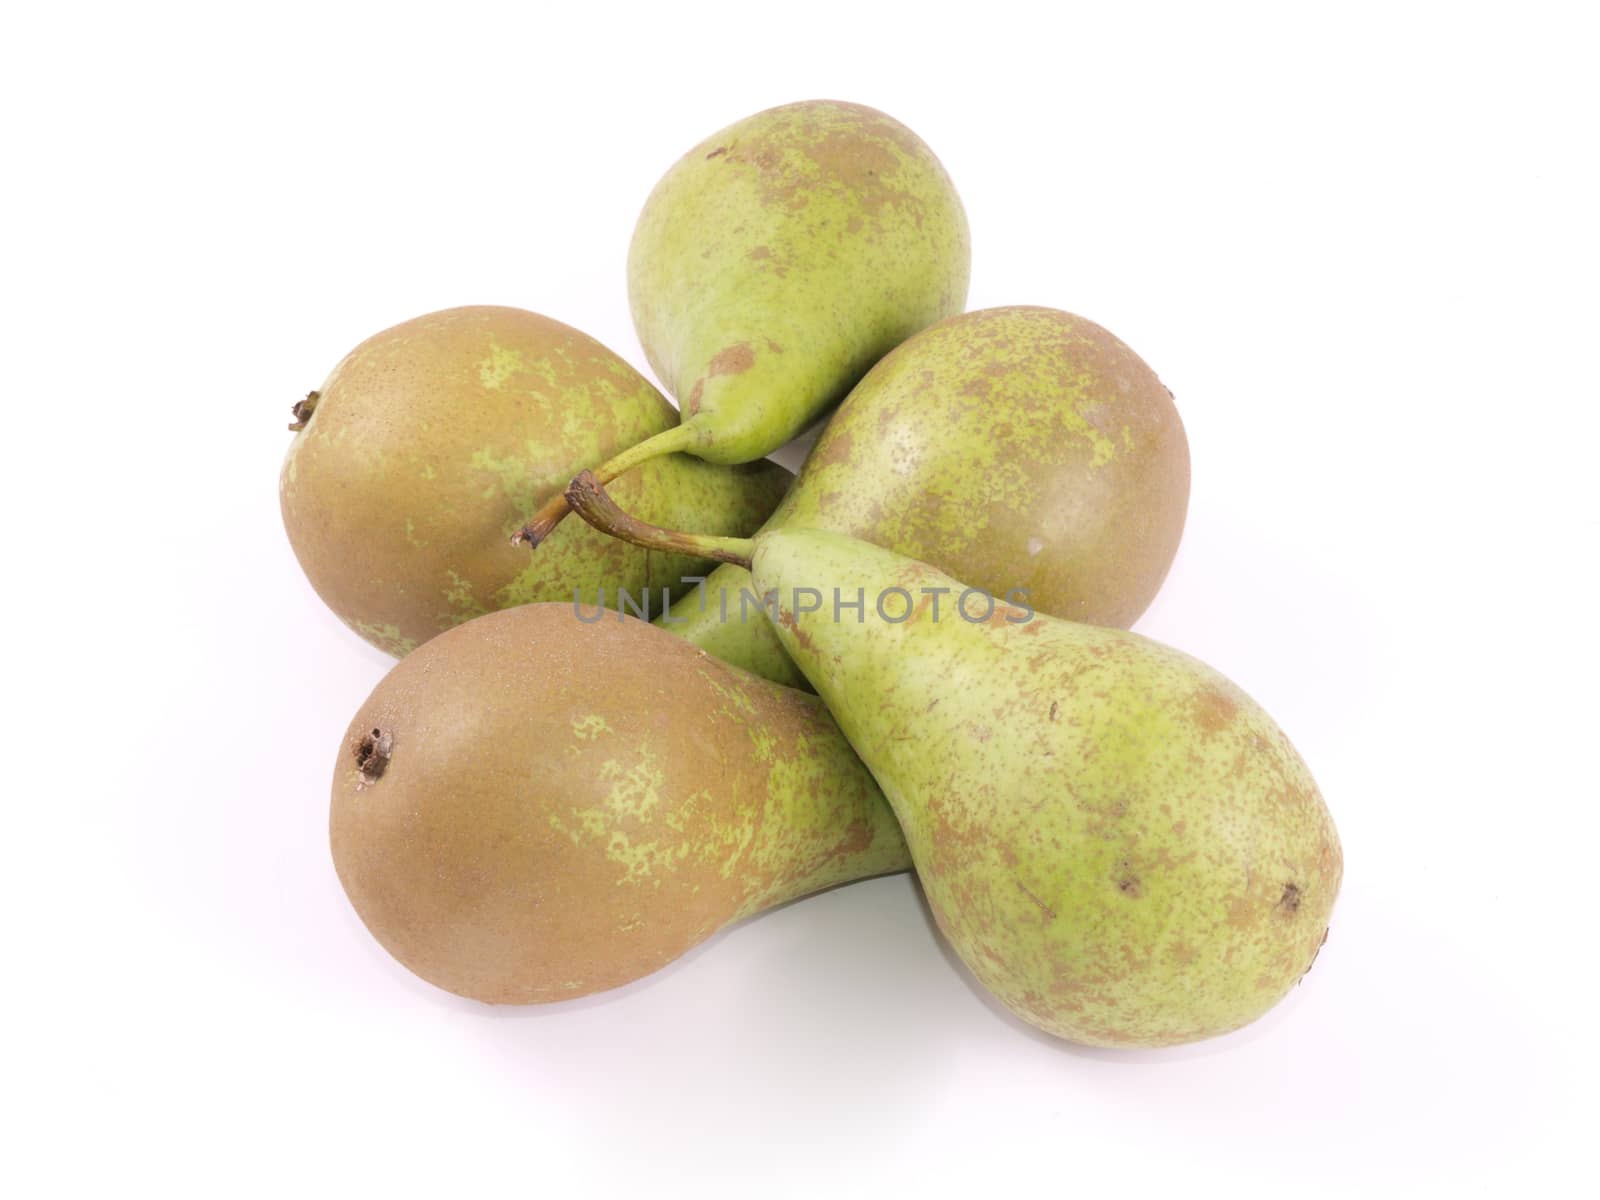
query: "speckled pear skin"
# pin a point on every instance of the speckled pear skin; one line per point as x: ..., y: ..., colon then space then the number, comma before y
x: 724, y: 617
x: 1013, y: 448
x: 1120, y: 844
x: 566, y: 807
x: 433, y: 441
x: 781, y: 257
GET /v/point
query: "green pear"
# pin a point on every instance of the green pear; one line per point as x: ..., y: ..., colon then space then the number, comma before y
x: 1023, y: 450
x: 433, y: 441
x: 1118, y: 842
x: 547, y: 801
x: 774, y: 264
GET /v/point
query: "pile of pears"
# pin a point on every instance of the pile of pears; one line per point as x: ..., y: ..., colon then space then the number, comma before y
x: 650, y: 684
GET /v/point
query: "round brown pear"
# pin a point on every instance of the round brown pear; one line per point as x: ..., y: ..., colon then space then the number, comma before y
x: 431, y: 443
x: 534, y: 806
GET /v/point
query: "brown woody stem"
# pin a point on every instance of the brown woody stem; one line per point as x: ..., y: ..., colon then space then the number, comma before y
x: 588, y: 499
x: 543, y: 523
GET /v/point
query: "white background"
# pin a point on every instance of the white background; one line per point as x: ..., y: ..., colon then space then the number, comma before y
x: 1359, y: 247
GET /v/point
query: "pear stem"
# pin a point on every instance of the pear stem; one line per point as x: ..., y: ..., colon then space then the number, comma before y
x: 589, y: 500
x: 554, y: 510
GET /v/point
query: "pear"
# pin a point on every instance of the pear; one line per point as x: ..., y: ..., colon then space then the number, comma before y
x: 433, y: 441
x: 534, y: 806
x: 1022, y: 450
x: 774, y: 264
x: 1118, y: 842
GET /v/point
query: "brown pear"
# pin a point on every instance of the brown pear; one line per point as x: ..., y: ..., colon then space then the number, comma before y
x: 547, y: 802
x: 431, y: 443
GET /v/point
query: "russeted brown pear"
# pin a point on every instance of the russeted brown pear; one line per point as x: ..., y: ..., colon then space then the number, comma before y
x: 547, y: 802
x: 432, y: 442
x: 1023, y: 450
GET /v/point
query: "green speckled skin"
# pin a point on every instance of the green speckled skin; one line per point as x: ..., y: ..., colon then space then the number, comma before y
x: 569, y: 806
x: 1121, y: 845
x: 1010, y: 447
x: 433, y: 441
x: 710, y: 617
x: 782, y: 257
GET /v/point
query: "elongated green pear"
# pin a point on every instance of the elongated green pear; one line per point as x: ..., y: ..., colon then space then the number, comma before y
x: 546, y: 802
x: 1023, y: 450
x: 1119, y: 843
x: 774, y: 264
x: 433, y: 441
